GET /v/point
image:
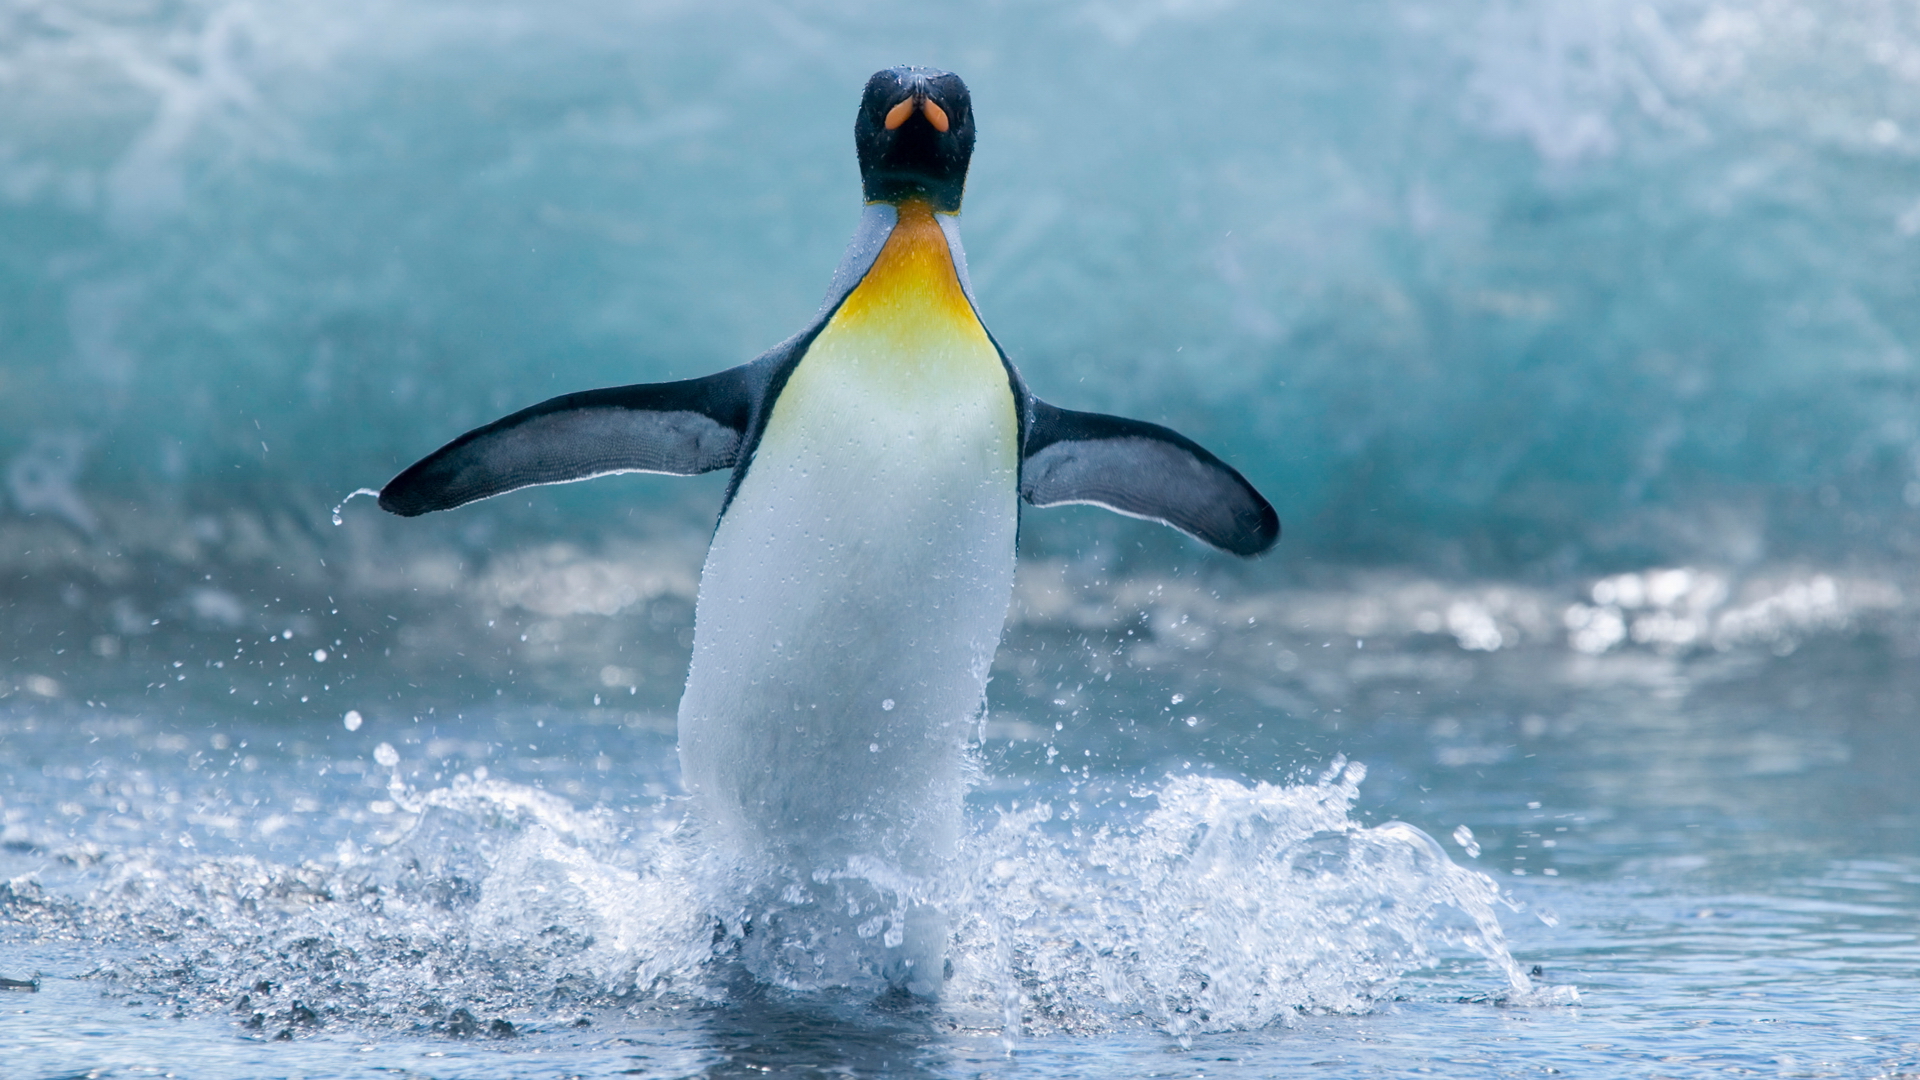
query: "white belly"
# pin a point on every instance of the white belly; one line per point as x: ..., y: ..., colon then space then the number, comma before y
x: 848, y: 615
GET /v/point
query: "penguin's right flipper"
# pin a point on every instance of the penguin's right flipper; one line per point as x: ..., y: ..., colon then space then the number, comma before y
x: 678, y: 428
x: 1146, y: 471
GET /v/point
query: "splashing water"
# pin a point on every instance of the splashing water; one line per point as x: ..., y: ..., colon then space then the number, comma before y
x: 1228, y: 907
x: 342, y: 504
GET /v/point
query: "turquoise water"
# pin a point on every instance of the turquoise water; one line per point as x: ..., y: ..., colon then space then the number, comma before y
x: 1573, y: 284
x: 1571, y: 726
x: 1188, y: 856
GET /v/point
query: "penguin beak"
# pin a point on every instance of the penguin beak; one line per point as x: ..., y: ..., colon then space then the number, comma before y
x: 899, y: 114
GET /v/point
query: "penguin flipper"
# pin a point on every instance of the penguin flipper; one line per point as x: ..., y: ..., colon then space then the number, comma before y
x: 678, y: 428
x: 1143, y: 470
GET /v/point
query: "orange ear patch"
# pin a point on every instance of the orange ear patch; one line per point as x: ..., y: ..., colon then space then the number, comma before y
x: 936, y: 115
x: 899, y: 113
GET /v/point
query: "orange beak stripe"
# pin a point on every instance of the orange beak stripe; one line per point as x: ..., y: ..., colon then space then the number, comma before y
x: 899, y: 113
x: 936, y: 115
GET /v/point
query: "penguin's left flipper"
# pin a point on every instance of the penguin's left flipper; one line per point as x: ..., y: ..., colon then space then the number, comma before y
x: 678, y: 428
x: 1145, y: 471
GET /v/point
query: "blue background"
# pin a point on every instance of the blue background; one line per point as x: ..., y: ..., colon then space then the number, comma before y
x: 1495, y: 287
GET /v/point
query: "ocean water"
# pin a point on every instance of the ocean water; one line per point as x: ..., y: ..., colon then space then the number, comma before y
x: 1373, y: 825
x: 1570, y: 728
x: 1572, y: 284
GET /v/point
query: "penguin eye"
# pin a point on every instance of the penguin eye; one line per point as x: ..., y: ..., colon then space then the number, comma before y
x: 936, y: 115
x: 899, y: 113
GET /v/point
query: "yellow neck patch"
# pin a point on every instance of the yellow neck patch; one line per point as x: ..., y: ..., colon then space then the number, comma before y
x: 901, y: 376
x: 909, y: 312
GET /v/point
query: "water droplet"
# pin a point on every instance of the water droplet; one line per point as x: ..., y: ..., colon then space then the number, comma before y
x: 319, y: 656
x: 1464, y: 837
x: 386, y: 755
x: 337, y: 520
x: 1178, y: 698
x: 873, y: 748
x: 353, y: 720
x: 887, y: 705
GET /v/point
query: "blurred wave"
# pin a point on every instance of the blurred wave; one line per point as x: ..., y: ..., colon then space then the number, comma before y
x: 1483, y: 286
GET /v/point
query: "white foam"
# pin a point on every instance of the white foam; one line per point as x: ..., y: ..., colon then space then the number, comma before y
x: 1227, y: 907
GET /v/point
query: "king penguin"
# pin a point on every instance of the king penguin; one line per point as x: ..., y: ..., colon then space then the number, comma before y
x: 858, y: 578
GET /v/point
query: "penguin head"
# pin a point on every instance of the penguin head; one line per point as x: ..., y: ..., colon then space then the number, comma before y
x: 914, y: 134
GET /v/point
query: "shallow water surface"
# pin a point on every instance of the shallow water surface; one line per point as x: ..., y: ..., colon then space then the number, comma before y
x: 1210, y: 838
